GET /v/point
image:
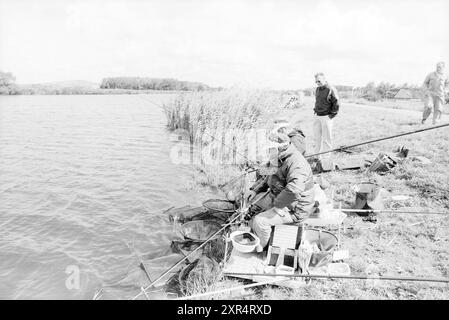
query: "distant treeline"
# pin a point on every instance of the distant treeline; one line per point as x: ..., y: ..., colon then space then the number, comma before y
x: 44, y: 89
x: 116, y: 85
x: 340, y: 88
x: 138, y: 83
x: 386, y: 90
x: 374, y: 92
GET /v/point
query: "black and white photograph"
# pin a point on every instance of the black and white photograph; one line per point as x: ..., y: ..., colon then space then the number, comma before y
x: 241, y: 151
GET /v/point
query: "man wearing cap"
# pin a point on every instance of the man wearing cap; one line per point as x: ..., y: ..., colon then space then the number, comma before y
x: 435, y: 87
x: 287, y: 193
x: 326, y: 108
x: 295, y: 133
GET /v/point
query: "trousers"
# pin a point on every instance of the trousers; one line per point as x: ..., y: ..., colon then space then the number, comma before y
x: 322, y: 131
x: 432, y: 101
x: 262, y: 222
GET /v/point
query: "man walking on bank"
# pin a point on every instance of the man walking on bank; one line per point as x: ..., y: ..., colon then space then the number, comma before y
x: 435, y: 86
x: 326, y: 108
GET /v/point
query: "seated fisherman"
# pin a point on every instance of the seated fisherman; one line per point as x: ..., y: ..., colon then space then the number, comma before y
x: 290, y: 196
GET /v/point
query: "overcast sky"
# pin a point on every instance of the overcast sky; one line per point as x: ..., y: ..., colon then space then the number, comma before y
x: 277, y: 44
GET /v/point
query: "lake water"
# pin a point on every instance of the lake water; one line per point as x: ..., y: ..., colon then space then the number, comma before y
x: 83, y: 184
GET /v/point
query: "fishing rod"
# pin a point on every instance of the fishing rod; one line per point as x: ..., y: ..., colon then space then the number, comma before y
x: 342, y: 148
x: 239, y: 213
x: 357, y: 277
x: 257, y: 284
x: 220, y: 140
x: 282, y: 279
x: 392, y: 211
x: 249, y: 170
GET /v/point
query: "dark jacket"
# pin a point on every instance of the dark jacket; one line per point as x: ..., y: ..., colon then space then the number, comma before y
x: 326, y: 102
x: 292, y: 185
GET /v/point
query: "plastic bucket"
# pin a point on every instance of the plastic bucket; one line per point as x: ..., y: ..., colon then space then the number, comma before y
x: 325, y: 241
x: 244, y: 241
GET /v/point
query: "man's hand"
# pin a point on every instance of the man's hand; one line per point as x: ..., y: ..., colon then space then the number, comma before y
x: 230, y: 195
x: 279, y: 211
x: 248, y: 196
x: 331, y: 116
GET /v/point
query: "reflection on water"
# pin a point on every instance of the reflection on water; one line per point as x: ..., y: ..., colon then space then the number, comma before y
x: 83, y: 183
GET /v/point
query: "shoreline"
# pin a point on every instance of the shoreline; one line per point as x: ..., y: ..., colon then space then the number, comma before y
x: 101, y: 92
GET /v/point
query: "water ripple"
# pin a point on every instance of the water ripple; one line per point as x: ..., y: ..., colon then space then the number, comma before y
x: 83, y: 182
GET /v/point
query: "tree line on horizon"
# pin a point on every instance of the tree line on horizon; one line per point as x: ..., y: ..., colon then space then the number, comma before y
x: 144, y: 83
x: 374, y: 92
x: 387, y: 90
x: 112, y: 85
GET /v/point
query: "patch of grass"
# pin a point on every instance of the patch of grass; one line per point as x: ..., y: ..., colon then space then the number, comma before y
x: 404, y: 104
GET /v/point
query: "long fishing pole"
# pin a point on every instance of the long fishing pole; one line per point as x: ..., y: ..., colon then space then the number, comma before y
x: 282, y: 279
x: 359, y: 277
x: 257, y: 284
x: 196, y: 249
x: 230, y: 147
x: 341, y: 148
x: 392, y: 211
x: 249, y: 170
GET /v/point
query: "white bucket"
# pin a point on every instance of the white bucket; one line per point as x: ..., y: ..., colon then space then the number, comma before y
x: 244, y: 247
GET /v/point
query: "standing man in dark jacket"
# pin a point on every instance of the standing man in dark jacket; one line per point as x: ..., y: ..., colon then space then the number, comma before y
x: 326, y: 108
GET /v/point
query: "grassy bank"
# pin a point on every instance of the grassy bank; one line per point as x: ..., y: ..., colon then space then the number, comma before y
x: 402, y: 245
x: 398, y: 244
x: 405, y: 104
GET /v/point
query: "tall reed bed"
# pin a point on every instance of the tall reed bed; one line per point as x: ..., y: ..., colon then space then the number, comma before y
x: 230, y: 124
x: 217, y: 111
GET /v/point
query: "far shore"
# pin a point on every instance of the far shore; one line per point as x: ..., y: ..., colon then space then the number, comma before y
x: 69, y: 91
